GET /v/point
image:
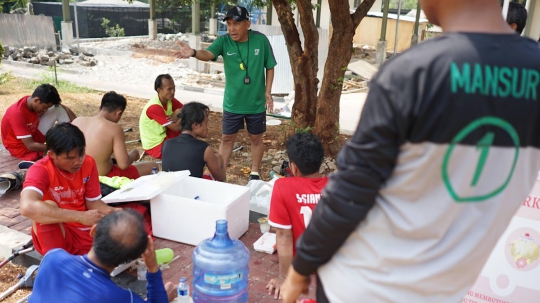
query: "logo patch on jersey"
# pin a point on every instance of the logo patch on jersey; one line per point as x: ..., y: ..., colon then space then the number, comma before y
x: 57, y: 188
x: 229, y: 54
x: 256, y: 52
x: 86, y: 179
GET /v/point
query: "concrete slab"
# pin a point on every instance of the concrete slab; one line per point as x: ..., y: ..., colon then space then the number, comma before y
x: 363, y: 69
x: 10, y: 239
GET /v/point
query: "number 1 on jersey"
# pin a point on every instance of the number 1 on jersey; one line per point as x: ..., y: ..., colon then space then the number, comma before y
x: 484, y: 144
x: 307, y: 213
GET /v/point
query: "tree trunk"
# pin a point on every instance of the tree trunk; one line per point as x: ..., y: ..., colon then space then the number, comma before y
x: 304, y: 61
x: 339, y: 55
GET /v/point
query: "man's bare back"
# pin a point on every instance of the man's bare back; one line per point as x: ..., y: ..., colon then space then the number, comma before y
x: 100, y: 134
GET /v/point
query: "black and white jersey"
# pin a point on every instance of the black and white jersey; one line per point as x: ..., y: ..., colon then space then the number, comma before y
x: 447, y: 148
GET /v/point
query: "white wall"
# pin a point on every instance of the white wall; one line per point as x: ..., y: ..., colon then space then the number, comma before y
x: 535, y: 24
x: 325, y: 15
x: 376, y: 6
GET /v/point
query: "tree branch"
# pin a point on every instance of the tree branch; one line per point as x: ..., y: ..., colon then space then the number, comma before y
x: 361, y: 11
x: 288, y: 27
x: 311, y: 34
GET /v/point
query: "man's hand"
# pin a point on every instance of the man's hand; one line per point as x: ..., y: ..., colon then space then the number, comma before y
x: 269, y: 102
x: 275, y: 285
x: 149, y: 257
x: 295, y: 284
x: 90, y: 217
x: 185, y: 51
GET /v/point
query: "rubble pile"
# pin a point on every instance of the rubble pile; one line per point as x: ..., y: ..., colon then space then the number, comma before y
x: 47, y: 56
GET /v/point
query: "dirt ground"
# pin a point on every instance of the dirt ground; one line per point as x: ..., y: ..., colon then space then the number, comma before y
x: 87, y: 104
x: 8, y: 278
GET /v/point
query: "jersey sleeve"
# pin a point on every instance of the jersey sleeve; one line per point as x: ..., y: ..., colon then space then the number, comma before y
x: 37, y: 179
x: 270, y: 59
x: 176, y: 104
x: 216, y: 47
x: 18, y: 123
x: 92, y: 189
x: 156, y: 112
x: 278, y: 214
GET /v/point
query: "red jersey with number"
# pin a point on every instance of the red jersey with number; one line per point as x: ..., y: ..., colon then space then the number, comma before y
x: 69, y: 191
x: 293, y: 202
x: 19, y: 123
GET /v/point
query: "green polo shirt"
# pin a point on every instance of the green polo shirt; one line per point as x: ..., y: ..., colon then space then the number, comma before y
x: 241, y: 98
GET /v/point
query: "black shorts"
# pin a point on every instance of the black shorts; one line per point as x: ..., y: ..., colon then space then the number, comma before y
x: 232, y: 123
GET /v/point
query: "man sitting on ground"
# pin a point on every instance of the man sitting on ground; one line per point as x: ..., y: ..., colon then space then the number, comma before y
x: 517, y: 17
x: 158, y: 121
x: 26, y: 122
x: 118, y: 238
x: 61, y: 194
x: 104, y: 137
x: 186, y: 152
x: 294, y: 199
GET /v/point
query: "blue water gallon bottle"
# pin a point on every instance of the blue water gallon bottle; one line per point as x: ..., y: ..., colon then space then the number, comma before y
x: 220, y: 268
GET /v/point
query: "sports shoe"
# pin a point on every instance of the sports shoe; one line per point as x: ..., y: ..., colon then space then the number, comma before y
x: 25, y: 164
x: 253, y: 176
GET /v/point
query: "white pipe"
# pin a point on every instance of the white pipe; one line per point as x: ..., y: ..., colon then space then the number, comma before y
x: 76, y: 25
x: 506, y: 5
x: 397, y: 28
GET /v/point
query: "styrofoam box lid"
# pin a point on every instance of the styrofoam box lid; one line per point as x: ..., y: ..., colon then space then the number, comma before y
x: 146, y: 187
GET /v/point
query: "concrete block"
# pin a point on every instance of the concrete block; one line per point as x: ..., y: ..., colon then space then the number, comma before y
x: 195, y: 43
x: 152, y: 29
x: 67, y: 33
x: 380, y: 55
x: 213, y: 26
x: 11, y: 239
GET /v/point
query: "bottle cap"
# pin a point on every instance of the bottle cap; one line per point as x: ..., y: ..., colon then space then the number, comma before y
x: 183, y: 279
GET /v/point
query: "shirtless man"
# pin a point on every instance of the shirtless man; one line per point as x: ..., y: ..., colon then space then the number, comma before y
x: 104, y: 137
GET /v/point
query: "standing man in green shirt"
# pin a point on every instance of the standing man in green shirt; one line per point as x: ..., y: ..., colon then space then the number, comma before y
x: 249, y: 69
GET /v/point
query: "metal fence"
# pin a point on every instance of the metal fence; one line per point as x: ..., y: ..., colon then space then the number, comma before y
x: 133, y: 19
x: 283, y: 77
x: 23, y: 30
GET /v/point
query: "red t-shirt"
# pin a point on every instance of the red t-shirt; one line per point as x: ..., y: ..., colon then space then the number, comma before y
x: 293, y: 202
x: 157, y: 113
x: 19, y: 123
x: 58, y: 186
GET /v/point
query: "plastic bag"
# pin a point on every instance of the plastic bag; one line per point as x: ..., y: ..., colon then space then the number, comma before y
x: 261, y: 192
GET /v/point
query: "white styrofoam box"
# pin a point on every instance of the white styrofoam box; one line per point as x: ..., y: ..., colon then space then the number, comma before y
x: 178, y: 216
x: 185, y: 209
x: 146, y: 187
x: 266, y: 243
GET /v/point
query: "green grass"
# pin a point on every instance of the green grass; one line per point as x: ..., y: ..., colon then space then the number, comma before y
x: 62, y: 85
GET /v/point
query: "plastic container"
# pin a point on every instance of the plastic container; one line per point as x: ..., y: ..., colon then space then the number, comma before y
x: 154, y: 171
x: 220, y: 268
x: 183, y: 291
x: 164, y: 255
x: 141, y: 271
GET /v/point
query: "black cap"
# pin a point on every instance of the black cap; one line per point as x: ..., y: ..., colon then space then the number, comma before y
x: 237, y: 13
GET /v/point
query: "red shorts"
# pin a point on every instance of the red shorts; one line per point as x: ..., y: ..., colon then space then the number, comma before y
x: 155, y: 151
x: 130, y: 172
x: 49, y: 236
